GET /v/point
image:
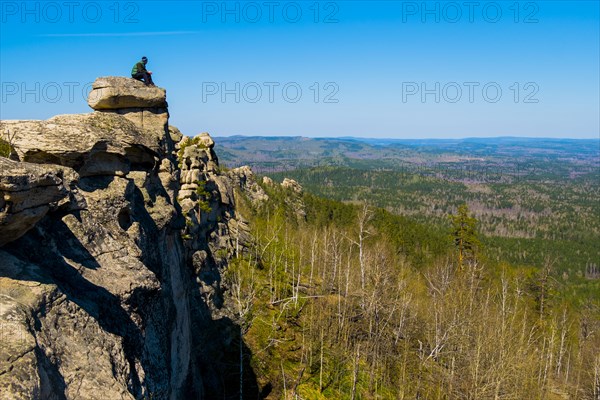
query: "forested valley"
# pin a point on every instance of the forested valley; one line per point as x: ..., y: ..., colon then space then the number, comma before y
x: 347, y: 300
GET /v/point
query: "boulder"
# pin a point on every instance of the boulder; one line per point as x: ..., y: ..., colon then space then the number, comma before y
x: 112, y: 93
x: 205, y: 139
x: 175, y: 134
x: 291, y: 184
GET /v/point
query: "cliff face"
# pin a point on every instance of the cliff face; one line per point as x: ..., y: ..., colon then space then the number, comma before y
x: 114, y: 234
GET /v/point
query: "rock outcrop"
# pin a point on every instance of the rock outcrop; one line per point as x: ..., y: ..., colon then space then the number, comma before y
x: 145, y: 106
x: 291, y: 184
x: 92, y: 144
x: 111, y: 93
x: 214, y: 232
x: 113, y: 242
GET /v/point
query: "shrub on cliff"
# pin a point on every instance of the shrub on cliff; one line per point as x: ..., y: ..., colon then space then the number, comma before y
x: 5, y: 149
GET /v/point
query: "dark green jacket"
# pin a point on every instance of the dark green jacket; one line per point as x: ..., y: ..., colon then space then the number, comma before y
x: 138, y: 67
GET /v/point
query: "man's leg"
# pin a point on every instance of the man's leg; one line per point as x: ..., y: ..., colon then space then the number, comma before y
x: 144, y: 77
x: 148, y: 78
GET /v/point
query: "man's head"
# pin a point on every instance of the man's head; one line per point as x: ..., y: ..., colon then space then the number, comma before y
x: 145, y: 60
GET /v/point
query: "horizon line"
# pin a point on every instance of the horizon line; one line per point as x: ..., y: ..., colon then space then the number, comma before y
x: 406, y: 138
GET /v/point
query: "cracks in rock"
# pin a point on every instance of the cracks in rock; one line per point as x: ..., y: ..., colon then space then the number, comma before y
x: 18, y: 357
x: 57, y: 185
x: 52, y: 383
x: 9, y: 203
x: 101, y: 253
x: 96, y: 301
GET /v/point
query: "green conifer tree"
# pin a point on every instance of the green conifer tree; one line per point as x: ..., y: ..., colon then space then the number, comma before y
x: 464, y: 233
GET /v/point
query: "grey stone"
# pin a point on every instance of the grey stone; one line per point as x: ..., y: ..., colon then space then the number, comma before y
x: 111, y: 93
x: 27, y: 192
x: 111, y: 289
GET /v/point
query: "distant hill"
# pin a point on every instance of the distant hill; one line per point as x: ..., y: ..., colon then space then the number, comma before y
x: 522, y: 155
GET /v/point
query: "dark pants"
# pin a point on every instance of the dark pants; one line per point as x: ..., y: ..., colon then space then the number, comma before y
x: 143, y: 76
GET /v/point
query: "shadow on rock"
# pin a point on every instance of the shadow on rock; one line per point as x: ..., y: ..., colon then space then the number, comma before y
x: 96, y: 301
x: 219, y: 348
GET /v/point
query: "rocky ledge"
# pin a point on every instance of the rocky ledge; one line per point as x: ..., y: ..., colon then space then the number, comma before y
x: 92, y: 144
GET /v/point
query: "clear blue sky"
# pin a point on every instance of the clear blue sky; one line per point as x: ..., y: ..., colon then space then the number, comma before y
x: 374, y: 58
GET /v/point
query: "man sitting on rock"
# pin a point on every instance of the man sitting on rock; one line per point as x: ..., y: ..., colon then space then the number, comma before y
x: 140, y: 73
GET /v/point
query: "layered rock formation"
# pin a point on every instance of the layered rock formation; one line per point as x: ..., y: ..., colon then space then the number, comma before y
x: 92, y: 144
x: 146, y: 106
x: 114, y: 234
x: 27, y: 193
